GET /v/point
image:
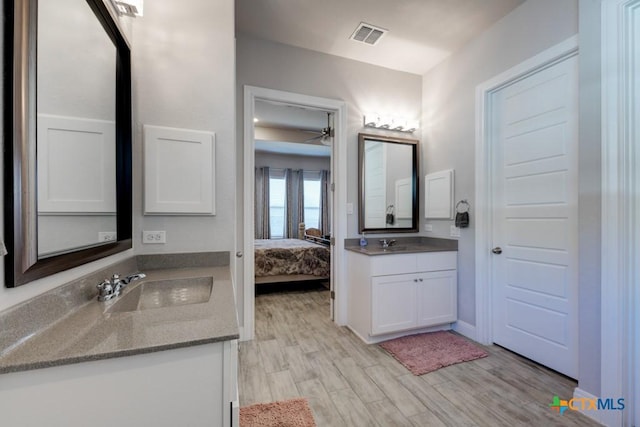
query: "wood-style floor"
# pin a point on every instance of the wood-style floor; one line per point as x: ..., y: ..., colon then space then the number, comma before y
x: 299, y: 352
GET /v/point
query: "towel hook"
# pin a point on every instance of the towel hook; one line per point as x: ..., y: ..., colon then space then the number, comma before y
x: 465, y: 206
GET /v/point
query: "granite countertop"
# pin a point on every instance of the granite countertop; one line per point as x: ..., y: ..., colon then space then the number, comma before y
x: 403, y: 245
x: 91, y: 332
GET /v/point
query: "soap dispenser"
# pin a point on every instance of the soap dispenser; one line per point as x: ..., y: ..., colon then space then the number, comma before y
x: 363, y: 241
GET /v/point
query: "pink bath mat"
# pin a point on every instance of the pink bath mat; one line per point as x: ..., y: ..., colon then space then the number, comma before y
x: 285, y: 413
x: 428, y: 352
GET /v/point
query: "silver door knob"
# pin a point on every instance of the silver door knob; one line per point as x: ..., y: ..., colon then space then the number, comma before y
x: 239, y: 254
x: 497, y: 250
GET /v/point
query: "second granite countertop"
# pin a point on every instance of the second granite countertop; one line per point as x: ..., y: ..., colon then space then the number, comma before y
x: 403, y: 245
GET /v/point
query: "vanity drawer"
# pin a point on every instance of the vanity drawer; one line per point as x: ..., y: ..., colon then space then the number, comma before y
x: 385, y: 265
x: 437, y: 261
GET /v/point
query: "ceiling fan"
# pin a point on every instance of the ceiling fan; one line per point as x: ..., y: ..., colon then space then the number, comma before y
x: 324, y: 135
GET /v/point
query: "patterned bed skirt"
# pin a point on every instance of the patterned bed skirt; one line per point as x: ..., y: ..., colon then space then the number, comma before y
x: 291, y: 256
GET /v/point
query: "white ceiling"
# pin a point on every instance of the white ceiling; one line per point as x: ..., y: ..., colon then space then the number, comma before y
x: 283, y: 129
x: 271, y: 114
x: 421, y: 32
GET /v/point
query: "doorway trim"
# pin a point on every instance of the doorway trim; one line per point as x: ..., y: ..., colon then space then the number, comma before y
x: 339, y: 178
x: 484, y: 154
x: 620, y: 297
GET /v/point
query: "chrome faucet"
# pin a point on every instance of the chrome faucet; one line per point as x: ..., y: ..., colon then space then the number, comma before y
x: 111, y: 288
x: 387, y: 243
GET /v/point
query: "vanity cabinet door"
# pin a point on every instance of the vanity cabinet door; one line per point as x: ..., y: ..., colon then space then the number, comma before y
x: 437, y: 297
x: 393, y: 303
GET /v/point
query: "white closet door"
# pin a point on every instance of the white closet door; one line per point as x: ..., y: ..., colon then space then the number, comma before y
x: 535, y: 288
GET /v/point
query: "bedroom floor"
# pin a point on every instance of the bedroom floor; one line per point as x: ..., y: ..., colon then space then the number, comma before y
x: 299, y: 352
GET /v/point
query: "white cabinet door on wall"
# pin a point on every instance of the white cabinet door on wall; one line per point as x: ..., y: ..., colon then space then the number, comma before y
x: 179, y: 171
x: 437, y: 297
x: 438, y: 195
x: 76, y: 165
x: 393, y: 305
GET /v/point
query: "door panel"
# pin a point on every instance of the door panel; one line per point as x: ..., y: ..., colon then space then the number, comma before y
x: 437, y: 301
x: 537, y: 322
x: 393, y: 303
x: 535, y: 217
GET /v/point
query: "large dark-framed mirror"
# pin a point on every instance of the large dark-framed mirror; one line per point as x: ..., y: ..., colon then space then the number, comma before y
x: 388, y: 184
x: 67, y: 129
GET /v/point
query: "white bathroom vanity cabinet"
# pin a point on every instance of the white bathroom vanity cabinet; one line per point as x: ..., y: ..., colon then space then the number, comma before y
x: 395, y: 294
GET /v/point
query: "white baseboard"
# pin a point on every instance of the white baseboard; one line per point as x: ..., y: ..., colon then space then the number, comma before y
x: 386, y: 337
x: 599, y: 416
x: 466, y: 329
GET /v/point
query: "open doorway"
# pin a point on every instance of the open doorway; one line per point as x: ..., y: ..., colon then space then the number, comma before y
x: 300, y: 127
x: 292, y: 197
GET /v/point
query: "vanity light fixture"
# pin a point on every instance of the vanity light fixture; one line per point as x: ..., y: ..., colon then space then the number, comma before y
x: 397, y: 124
x: 132, y: 8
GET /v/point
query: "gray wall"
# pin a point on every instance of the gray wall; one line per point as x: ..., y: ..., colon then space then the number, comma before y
x: 183, y: 63
x: 448, y: 115
x: 449, y: 137
x: 364, y: 88
x: 589, y: 198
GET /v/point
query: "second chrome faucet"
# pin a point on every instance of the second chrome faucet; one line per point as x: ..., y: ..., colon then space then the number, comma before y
x: 385, y: 243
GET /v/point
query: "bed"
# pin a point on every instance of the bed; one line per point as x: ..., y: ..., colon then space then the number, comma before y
x: 288, y: 260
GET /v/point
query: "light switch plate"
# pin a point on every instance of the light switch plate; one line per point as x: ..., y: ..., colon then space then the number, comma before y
x: 428, y: 227
x: 455, y: 231
x: 349, y: 208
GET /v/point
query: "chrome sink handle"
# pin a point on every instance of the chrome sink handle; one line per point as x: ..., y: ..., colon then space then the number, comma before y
x: 105, y: 290
x: 111, y: 288
x: 386, y: 243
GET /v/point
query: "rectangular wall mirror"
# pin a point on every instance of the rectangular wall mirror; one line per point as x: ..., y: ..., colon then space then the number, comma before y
x: 388, y: 183
x: 67, y: 128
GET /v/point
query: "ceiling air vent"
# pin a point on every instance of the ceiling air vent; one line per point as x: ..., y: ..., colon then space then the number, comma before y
x: 367, y: 33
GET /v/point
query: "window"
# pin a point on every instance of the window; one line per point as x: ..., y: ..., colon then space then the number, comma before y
x: 277, y: 203
x: 312, y: 199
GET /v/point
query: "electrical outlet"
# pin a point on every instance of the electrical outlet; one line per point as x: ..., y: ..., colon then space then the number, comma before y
x: 455, y: 231
x: 154, y: 237
x: 106, y: 236
x: 349, y: 208
x: 428, y: 227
